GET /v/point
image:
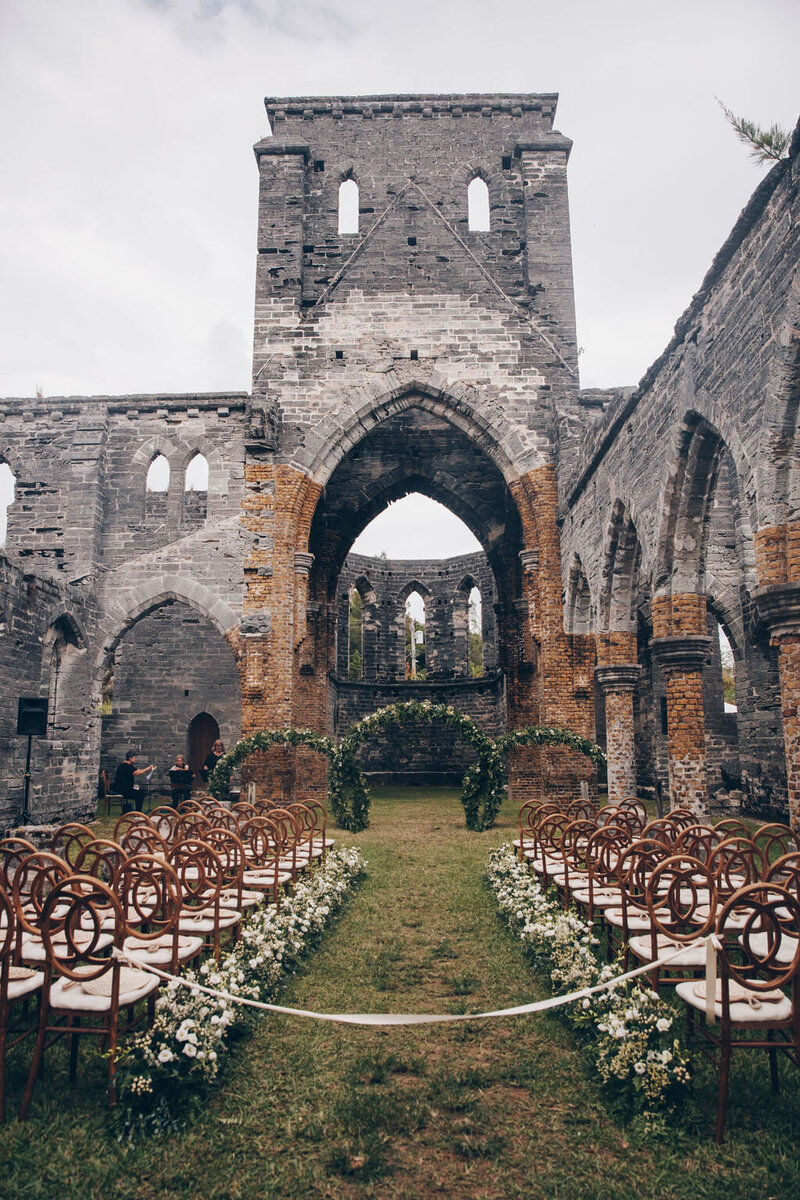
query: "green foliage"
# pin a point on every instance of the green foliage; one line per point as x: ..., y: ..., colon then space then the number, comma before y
x: 484, y: 783
x: 355, y: 667
x: 475, y: 655
x: 764, y: 145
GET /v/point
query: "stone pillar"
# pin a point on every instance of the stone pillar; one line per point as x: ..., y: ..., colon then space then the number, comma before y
x: 618, y: 683
x: 681, y: 646
x: 779, y: 609
x: 303, y: 562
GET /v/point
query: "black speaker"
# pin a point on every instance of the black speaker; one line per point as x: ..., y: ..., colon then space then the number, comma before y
x: 32, y: 716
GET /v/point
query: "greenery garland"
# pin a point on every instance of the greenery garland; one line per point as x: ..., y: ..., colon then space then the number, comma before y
x: 265, y: 739
x: 484, y: 783
x: 347, y: 776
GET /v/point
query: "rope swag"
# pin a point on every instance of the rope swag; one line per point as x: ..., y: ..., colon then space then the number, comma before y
x: 484, y: 784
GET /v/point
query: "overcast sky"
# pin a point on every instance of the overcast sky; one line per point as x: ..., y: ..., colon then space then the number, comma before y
x: 128, y: 194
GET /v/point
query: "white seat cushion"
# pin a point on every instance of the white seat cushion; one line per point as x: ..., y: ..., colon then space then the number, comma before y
x: 65, y: 994
x: 692, y: 955
x: 23, y: 982
x: 757, y: 1011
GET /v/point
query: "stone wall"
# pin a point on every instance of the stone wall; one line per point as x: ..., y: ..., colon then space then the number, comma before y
x: 172, y: 666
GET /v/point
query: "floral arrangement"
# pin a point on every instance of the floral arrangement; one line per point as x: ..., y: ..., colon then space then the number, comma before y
x: 187, y: 1042
x: 628, y: 1027
x: 484, y: 783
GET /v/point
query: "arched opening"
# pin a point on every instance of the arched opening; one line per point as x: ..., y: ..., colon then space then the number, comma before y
x: 478, y: 205
x: 158, y: 474
x: 475, y: 631
x: 433, y: 511
x: 355, y: 641
x: 348, y: 207
x: 169, y: 666
x: 414, y: 635
x: 157, y: 490
x: 706, y: 549
x: 203, y: 731
x: 195, y: 490
x: 62, y: 643
x: 579, y: 614
x: 7, y: 482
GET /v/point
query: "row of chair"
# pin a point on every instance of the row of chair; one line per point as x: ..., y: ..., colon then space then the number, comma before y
x: 165, y: 888
x: 662, y: 888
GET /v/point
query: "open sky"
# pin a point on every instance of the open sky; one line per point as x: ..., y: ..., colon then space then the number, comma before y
x: 128, y: 195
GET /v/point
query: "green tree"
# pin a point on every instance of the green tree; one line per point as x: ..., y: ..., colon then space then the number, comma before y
x: 355, y: 667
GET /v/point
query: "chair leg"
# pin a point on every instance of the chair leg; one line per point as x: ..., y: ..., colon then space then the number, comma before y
x: 73, y: 1023
x: 3, y: 1067
x: 773, y: 1063
x: 722, y: 1100
x: 36, y: 1064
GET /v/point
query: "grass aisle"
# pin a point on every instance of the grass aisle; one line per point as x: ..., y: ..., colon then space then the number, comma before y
x: 484, y: 1110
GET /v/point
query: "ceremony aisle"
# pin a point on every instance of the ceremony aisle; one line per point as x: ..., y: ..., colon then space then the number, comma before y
x: 484, y: 1110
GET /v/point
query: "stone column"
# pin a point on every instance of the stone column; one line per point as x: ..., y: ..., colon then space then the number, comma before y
x: 681, y: 659
x: 618, y: 683
x: 303, y: 562
x: 779, y: 609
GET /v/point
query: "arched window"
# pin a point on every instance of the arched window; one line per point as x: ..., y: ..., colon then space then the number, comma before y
x: 196, y: 478
x: 478, y: 205
x: 415, y: 636
x: 7, y: 481
x: 475, y: 630
x: 348, y: 206
x: 158, y: 475
x: 195, y: 491
x: 728, y: 670
x: 355, y: 644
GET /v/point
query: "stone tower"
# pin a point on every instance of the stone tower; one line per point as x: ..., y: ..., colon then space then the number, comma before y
x: 416, y: 347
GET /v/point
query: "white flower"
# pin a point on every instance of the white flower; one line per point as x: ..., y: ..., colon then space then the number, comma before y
x: 166, y: 1055
x: 639, y: 1068
x: 190, y: 1050
x: 663, y: 1024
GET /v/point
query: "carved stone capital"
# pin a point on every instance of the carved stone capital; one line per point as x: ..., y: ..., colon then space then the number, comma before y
x: 303, y: 562
x: 682, y: 652
x: 778, y: 607
x: 529, y: 560
x: 623, y: 677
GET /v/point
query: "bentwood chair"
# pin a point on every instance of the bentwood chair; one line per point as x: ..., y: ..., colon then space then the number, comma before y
x: 150, y: 896
x: 16, y: 984
x: 756, y: 1005
x: 682, y: 907
x: 83, y: 981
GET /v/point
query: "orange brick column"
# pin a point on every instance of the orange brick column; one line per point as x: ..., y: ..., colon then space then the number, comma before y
x: 551, y: 686
x: 681, y: 647
x: 274, y: 636
x: 617, y: 675
x: 779, y: 609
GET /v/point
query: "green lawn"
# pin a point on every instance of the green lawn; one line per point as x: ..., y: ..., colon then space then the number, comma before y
x: 504, y: 1108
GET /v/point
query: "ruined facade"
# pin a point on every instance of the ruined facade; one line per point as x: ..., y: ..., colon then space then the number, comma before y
x: 418, y: 344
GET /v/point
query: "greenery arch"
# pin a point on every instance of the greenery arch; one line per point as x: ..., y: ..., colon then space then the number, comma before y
x: 347, y: 787
x: 484, y: 783
x: 219, y: 778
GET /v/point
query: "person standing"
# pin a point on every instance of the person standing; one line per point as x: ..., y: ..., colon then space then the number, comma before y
x: 125, y: 785
x: 212, y: 758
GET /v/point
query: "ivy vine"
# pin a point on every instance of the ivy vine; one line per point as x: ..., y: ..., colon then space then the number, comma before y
x: 484, y: 783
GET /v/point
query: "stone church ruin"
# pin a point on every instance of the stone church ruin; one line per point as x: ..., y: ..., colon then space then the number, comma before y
x: 179, y: 567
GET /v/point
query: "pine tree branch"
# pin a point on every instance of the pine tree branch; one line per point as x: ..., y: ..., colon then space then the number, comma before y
x: 764, y: 145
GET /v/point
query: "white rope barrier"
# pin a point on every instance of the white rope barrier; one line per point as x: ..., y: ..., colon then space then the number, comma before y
x: 388, y: 1019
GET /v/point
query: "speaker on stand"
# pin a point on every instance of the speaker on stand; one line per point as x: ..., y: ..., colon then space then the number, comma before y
x: 31, y: 723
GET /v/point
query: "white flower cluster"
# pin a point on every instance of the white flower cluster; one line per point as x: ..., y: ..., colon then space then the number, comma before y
x: 628, y: 1024
x: 186, y: 1041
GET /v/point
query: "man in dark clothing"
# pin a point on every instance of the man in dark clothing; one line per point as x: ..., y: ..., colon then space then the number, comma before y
x: 124, y: 782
